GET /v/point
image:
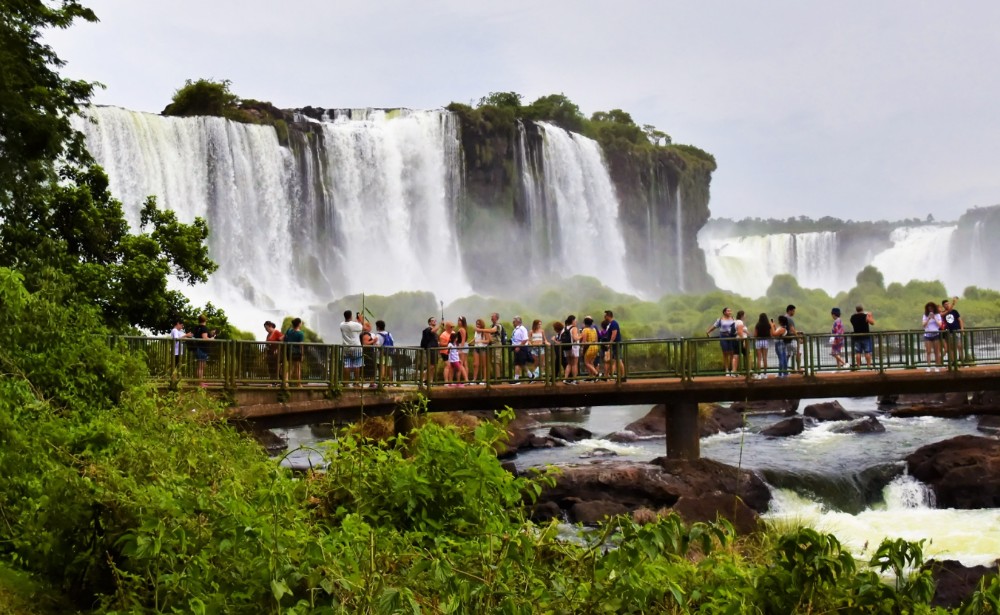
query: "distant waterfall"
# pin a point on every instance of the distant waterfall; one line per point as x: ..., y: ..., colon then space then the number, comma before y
x: 368, y: 205
x: 578, y: 189
x: 747, y: 265
x: 917, y: 253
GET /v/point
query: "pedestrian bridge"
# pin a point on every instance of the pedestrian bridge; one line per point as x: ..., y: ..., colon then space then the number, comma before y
x: 258, y: 378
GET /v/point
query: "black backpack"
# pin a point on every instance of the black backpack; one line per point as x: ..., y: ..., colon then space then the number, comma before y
x: 566, y: 337
x: 501, y: 336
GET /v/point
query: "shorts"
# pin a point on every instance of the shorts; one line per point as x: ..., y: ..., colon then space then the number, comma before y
x: 480, y: 349
x: 575, y: 350
x: 728, y: 344
x: 522, y: 356
x: 352, y: 358
x: 862, y: 345
x: 762, y: 344
x: 932, y: 336
x: 432, y: 357
x: 614, y: 351
x: 455, y: 364
x: 201, y: 354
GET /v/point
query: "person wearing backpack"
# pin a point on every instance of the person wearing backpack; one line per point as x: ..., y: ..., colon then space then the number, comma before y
x: 727, y: 339
x: 384, y: 344
x: 498, y: 339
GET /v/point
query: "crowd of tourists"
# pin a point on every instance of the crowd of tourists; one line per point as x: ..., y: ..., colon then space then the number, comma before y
x: 571, y: 349
x: 941, y: 325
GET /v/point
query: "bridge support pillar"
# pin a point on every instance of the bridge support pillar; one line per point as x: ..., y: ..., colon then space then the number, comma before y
x: 683, y: 432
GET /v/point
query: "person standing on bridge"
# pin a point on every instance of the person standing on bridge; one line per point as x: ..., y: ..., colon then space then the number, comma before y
x: 837, y: 338
x: 933, y: 323
x: 273, y: 349
x: 762, y: 332
x: 616, y: 365
x: 782, y: 335
x: 522, y: 352
x: 862, y: 322
x: 429, y: 342
x: 727, y: 339
x: 794, y: 341
x: 294, y: 338
x: 953, y: 326
x: 350, y: 336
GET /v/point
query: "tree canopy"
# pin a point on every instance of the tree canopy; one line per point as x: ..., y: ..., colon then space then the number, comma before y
x: 60, y: 226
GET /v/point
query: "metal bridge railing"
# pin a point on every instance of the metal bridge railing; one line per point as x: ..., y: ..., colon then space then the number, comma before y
x: 234, y: 363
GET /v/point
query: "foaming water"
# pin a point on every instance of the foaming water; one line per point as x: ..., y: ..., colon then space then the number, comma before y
x: 970, y: 536
x: 916, y: 254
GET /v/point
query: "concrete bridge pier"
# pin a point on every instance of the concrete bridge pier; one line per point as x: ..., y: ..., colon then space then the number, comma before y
x: 683, y: 431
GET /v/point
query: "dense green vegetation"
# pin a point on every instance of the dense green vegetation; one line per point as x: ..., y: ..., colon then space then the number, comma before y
x: 117, y: 497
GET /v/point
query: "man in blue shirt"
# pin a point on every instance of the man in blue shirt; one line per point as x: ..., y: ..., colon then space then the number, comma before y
x: 614, y: 333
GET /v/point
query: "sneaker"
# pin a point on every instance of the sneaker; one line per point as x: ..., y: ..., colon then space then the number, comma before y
x: 928, y: 370
x: 516, y: 382
x: 373, y: 386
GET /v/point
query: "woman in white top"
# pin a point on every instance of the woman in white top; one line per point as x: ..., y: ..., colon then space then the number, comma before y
x: 932, y: 335
x: 727, y: 339
x: 479, y: 358
x: 538, y: 343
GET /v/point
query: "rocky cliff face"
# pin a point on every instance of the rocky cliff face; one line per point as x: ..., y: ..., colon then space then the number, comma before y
x: 663, y: 199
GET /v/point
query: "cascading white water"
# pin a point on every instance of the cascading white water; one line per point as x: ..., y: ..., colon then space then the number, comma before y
x: 577, y: 185
x: 746, y: 265
x: 541, y: 222
x: 917, y: 253
x: 371, y: 209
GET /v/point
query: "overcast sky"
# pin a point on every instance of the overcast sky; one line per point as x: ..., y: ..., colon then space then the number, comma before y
x: 857, y: 109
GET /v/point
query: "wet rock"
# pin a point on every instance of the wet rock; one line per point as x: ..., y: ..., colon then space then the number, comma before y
x: 622, y: 437
x: 599, y: 452
x: 655, y: 485
x: 713, y: 419
x: 543, y: 512
x: 868, y: 424
x: 593, y: 512
x: 963, y: 472
x: 543, y: 442
x: 989, y: 424
x: 653, y: 424
x: 569, y: 433
x: 985, y: 398
x: 954, y: 583
x: 782, y: 429
x: 713, y: 506
x: 938, y: 404
x: 827, y: 411
x: 272, y: 442
x: 322, y: 431
x: 767, y: 406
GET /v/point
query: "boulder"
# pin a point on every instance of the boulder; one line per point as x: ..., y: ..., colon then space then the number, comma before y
x: 543, y: 512
x: 989, y: 424
x: 622, y: 437
x: 954, y: 583
x: 788, y: 427
x: 593, y: 512
x: 599, y: 452
x: 827, y: 411
x: 653, y: 424
x: 272, y: 442
x: 570, y: 433
x: 937, y: 404
x: 767, y: 406
x: 868, y: 424
x: 542, y: 442
x: 710, y: 507
x: 714, y: 419
x: 963, y: 472
x: 654, y: 485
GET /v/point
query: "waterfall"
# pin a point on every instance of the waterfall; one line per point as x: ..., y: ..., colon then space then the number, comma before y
x: 577, y: 185
x: 747, y: 265
x: 917, y: 253
x: 538, y: 219
x: 366, y: 203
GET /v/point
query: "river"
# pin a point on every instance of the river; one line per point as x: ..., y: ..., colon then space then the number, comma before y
x: 851, y: 485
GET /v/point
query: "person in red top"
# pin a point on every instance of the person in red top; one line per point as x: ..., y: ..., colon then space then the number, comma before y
x: 273, y: 350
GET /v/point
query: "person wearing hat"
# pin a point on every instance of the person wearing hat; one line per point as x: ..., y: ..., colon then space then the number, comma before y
x: 837, y: 339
